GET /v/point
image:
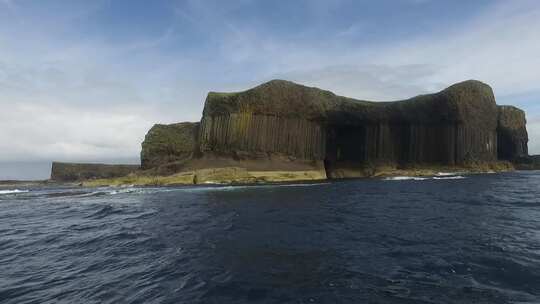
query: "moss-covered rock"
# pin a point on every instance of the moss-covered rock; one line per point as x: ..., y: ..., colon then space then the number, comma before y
x: 461, y: 102
x: 165, y: 144
x: 224, y: 175
x: 184, y: 178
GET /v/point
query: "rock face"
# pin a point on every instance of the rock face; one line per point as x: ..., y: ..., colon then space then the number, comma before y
x: 281, y: 123
x: 69, y: 172
x: 454, y: 126
x: 285, y: 131
x: 512, y: 133
x: 165, y: 144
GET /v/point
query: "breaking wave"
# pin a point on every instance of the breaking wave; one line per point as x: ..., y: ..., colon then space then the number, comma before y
x: 404, y: 178
x: 416, y: 178
x: 450, y: 177
x: 14, y: 191
x: 447, y: 174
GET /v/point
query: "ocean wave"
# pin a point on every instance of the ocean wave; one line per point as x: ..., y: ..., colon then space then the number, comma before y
x: 450, y: 177
x: 217, y: 187
x: 172, y: 246
x: 104, y: 212
x: 14, y: 191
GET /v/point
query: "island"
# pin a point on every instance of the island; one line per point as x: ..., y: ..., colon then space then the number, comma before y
x: 281, y: 131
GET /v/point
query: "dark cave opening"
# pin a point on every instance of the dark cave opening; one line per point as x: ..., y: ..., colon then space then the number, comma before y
x: 345, y: 145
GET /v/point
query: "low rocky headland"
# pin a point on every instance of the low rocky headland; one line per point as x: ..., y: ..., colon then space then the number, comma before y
x: 281, y: 131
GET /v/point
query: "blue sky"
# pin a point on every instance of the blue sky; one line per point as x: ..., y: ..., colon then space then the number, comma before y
x: 85, y: 80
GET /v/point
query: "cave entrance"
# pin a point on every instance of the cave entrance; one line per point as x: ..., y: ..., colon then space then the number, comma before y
x: 345, y: 145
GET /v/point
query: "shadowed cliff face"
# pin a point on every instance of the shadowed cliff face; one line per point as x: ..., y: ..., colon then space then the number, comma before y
x: 512, y: 133
x: 456, y: 125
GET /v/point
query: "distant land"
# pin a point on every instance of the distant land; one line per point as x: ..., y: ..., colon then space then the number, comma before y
x: 41, y: 169
x: 282, y: 131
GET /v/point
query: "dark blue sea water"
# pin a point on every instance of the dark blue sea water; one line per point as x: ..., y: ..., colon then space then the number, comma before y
x: 471, y: 240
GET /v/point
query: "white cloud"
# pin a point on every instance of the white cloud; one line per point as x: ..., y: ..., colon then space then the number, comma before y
x: 78, y: 99
x: 46, y: 131
x: 499, y: 48
x: 369, y: 82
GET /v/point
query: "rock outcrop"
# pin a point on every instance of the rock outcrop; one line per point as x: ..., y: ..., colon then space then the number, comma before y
x: 285, y: 131
x: 512, y: 134
x: 165, y: 144
x: 280, y: 123
x: 531, y: 162
x: 454, y: 126
x: 70, y: 172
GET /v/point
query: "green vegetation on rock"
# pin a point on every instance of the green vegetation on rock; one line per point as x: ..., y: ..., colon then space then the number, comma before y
x: 169, y: 143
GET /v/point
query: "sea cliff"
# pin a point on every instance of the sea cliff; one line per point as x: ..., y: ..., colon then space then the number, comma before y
x: 282, y: 131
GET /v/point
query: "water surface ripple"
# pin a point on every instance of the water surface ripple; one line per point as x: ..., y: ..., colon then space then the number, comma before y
x: 469, y: 240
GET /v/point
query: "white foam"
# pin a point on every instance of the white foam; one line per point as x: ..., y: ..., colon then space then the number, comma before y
x: 13, y: 191
x: 124, y: 190
x: 416, y: 178
x: 301, y: 185
x: 403, y: 178
x: 450, y: 177
x: 446, y: 174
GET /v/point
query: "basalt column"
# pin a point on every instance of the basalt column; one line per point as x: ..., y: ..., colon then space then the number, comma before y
x: 250, y: 133
x: 393, y: 143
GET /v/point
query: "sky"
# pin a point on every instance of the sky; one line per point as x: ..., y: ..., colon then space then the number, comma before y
x: 85, y: 80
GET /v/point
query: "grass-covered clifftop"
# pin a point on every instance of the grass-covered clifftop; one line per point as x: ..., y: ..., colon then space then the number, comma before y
x: 458, y: 103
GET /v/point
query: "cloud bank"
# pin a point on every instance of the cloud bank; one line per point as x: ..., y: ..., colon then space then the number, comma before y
x: 85, y: 83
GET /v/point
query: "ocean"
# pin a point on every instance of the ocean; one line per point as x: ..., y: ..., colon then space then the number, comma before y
x: 450, y: 239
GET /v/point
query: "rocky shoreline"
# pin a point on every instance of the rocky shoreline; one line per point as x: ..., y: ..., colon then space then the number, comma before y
x: 237, y: 175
